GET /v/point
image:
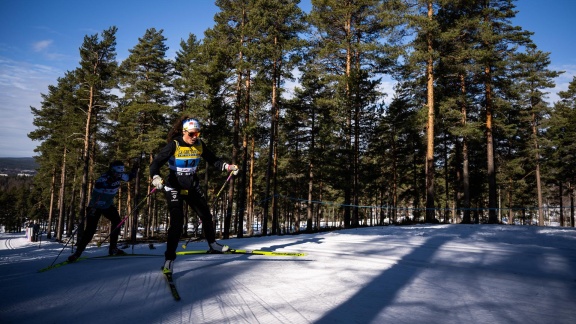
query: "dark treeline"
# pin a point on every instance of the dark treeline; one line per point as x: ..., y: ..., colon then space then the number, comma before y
x: 467, y: 135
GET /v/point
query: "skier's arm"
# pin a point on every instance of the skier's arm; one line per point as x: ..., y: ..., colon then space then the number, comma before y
x: 161, y: 158
x: 211, y: 158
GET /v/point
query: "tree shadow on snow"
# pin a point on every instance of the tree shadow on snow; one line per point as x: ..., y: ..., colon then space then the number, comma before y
x: 369, y: 301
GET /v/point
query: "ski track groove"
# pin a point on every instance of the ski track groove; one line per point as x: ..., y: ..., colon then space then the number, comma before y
x: 157, y: 283
x: 267, y: 306
x: 7, y: 244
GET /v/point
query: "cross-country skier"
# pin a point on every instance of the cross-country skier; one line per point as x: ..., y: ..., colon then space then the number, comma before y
x: 102, y: 203
x: 183, y: 151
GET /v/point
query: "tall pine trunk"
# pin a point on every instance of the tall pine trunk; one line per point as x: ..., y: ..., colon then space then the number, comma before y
x: 276, y: 109
x: 250, y: 203
x: 430, y: 195
x: 561, y: 194
x: 51, y: 210
x: 310, y: 208
x: 491, y: 167
x: 62, y: 198
x: 85, y: 163
x: 465, y: 158
x: 348, y: 165
x: 241, y: 208
x: 538, y: 180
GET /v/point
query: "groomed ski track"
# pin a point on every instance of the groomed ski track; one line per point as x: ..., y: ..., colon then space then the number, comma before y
x: 413, y: 274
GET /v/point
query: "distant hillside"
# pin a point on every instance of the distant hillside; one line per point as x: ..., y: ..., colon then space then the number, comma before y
x: 17, y: 164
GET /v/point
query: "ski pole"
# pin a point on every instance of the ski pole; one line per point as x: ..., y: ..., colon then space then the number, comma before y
x: 56, y: 258
x: 125, y: 218
x: 215, y: 198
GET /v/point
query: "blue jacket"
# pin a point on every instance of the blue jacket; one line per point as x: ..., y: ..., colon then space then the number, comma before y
x: 106, y: 188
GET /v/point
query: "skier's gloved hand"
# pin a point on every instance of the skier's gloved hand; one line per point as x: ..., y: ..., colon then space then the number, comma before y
x: 231, y: 167
x: 158, y: 182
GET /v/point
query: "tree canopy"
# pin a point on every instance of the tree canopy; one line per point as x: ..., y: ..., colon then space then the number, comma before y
x: 299, y: 101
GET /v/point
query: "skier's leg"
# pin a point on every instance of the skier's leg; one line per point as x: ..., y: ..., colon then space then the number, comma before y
x: 112, y: 214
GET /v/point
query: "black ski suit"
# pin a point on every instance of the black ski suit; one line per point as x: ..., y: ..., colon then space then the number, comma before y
x: 102, y: 203
x: 182, y: 185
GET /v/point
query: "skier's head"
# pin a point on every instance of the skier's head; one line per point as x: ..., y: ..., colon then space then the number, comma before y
x: 182, y: 126
x: 116, y: 168
x: 191, y: 125
x: 190, y: 130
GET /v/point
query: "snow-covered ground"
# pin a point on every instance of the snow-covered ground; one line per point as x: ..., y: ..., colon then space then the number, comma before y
x: 404, y: 274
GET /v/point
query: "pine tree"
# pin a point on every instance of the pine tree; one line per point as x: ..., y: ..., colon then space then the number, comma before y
x: 96, y: 78
x: 144, y: 115
x: 190, y: 84
x: 310, y: 140
x: 59, y: 125
x: 425, y: 53
x: 457, y: 89
x: 278, y: 24
x: 562, y: 149
x: 497, y: 40
x: 532, y: 77
x: 233, y: 29
x: 349, y: 39
x: 258, y: 37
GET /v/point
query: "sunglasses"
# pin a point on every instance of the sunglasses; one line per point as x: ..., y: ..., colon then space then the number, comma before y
x: 193, y: 134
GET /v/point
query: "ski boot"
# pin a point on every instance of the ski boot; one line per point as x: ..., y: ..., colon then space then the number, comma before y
x: 218, y: 248
x: 116, y: 251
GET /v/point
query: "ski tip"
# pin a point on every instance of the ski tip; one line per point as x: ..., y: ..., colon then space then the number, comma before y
x: 46, y: 269
x: 57, y: 265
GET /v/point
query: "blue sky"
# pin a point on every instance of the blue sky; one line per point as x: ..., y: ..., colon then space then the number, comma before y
x: 39, y: 42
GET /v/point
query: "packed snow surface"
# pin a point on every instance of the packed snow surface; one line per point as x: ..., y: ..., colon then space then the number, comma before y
x: 393, y: 274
